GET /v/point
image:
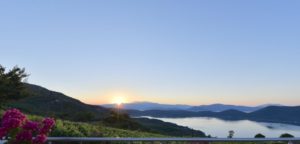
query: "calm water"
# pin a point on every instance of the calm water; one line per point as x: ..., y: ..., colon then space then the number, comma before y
x: 242, y: 128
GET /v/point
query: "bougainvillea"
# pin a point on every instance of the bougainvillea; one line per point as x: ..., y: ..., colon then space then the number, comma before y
x: 21, y: 130
x: 31, y: 125
x: 3, y: 132
x: 48, y: 123
x: 40, y: 139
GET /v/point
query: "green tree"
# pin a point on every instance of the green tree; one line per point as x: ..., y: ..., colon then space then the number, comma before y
x: 121, y: 120
x: 230, y: 134
x: 286, y: 135
x: 85, y: 116
x: 11, y: 84
x: 259, y: 135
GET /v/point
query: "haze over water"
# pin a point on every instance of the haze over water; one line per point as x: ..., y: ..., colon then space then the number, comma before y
x: 242, y: 128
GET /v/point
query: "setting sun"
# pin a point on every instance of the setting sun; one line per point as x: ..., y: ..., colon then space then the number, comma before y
x: 119, y: 100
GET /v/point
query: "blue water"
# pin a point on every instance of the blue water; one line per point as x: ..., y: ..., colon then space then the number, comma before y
x: 242, y: 128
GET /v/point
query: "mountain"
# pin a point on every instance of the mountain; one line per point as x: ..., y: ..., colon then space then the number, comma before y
x: 276, y: 114
x: 229, y: 114
x: 223, y: 107
x: 142, y: 106
x: 167, y: 128
x: 283, y: 114
x: 42, y: 101
x: 149, y: 106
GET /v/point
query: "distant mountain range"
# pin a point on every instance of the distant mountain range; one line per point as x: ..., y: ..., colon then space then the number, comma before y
x: 143, y: 106
x: 276, y: 114
x: 263, y: 113
x: 149, y: 106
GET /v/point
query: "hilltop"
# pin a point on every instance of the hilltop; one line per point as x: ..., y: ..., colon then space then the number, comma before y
x: 44, y: 102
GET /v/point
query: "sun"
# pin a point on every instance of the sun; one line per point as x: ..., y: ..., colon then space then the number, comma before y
x: 119, y: 100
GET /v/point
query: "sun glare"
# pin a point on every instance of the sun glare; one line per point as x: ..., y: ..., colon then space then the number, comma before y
x: 119, y: 100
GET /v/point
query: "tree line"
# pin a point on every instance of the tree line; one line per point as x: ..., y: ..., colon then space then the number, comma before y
x: 12, y: 85
x: 259, y: 135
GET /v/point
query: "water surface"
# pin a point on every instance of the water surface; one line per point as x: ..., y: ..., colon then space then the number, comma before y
x: 242, y: 128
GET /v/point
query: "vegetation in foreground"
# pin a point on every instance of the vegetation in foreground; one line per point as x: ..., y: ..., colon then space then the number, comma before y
x: 40, y: 101
x: 84, y: 129
x: 20, y: 130
x: 75, y: 118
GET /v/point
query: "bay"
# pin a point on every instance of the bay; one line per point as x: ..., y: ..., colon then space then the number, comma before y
x: 242, y: 128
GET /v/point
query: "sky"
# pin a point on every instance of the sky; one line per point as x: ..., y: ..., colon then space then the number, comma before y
x: 166, y: 51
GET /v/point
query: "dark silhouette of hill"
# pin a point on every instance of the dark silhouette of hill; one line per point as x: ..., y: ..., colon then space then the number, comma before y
x: 44, y: 102
x: 167, y: 128
x: 282, y: 114
x: 50, y: 103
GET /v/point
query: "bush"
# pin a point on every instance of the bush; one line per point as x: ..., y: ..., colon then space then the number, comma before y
x: 15, y: 125
x: 286, y: 135
x: 259, y: 136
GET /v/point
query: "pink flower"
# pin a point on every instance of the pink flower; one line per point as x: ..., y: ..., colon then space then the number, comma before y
x: 24, y: 136
x: 14, y: 113
x: 11, y: 123
x: 31, y: 125
x: 12, y: 119
x: 40, y: 139
x: 3, y: 132
x: 48, y: 123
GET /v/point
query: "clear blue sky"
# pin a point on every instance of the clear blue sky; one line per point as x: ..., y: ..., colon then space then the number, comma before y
x: 167, y: 51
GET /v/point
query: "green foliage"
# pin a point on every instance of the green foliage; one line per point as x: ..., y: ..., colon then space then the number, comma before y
x: 85, y: 116
x: 54, y: 104
x: 45, y: 103
x: 122, y: 120
x: 286, y: 135
x: 84, y: 129
x: 11, y: 85
x: 259, y: 135
x: 66, y: 128
x: 166, y: 128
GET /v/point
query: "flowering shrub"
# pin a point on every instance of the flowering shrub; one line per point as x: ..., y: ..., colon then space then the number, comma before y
x: 20, y: 130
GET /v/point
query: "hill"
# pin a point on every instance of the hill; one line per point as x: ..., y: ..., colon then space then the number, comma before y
x: 149, y: 106
x: 282, y: 114
x: 229, y: 114
x: 44, y: 102
x: 144, y: 106
x: 278, y: 114
x: 50, y: 103
x: 166, y: 128
x: 223, y: 107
